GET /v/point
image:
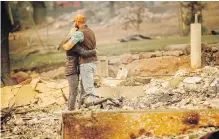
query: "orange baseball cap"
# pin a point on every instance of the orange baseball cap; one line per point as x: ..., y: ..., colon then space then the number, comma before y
x: 79, y: 18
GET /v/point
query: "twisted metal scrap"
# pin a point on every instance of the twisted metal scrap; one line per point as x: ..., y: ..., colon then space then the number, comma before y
x: 100, y: 101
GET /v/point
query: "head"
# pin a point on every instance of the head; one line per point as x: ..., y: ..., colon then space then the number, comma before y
x: 79, y: 20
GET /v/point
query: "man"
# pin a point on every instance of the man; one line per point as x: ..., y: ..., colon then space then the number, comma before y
x: 88, y: 65
x: 71, y: 71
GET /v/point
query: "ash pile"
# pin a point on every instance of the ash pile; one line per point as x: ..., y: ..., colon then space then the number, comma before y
x: 33, y: 110
x: 197, y: 89
x: 189, y: 90
x: 36, y: 112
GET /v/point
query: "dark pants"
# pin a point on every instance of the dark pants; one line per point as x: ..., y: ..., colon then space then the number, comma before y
x: 73, y: 81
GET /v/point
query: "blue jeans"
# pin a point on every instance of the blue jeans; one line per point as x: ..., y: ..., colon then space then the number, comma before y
x: 87, y: 72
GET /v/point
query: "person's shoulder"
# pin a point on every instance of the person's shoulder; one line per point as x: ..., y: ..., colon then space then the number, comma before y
x: 89, y: 30
x: 78, y: 33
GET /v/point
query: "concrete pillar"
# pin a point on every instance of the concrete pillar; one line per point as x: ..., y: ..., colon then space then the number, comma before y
x: 196, y: 44
x: 102, y: 67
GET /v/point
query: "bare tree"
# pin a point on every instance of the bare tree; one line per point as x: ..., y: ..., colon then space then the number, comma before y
x: 6, y: 27
x: 134, y: 15
x: 188, y: 11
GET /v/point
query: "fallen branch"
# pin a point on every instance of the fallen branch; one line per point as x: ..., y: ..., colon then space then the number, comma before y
x: 7, y: 115
x: 63, y: 95
x: 32, y: 52
x: 170, y: 103
x: 31, y: 110
x: 13, y: 108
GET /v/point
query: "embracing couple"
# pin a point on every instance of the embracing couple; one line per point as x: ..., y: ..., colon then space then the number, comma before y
x: 81, y: 59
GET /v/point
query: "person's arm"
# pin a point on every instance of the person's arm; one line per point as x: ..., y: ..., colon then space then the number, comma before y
x: 84, y: 53
x: 77, y: 37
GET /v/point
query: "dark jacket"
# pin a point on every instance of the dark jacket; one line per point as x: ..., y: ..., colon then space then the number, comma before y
x: 72, y: 61
x: 89, y: 43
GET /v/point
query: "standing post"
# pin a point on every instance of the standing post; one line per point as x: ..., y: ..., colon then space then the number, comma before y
x: 196, y: 44
x: 102, y: 67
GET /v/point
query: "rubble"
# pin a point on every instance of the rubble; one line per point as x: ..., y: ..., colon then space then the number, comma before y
x: 122, y: 73
x: 157, y: 65
x: 197, y: 89
x: 114, y: 60
x: 37, y: 124
x: 25, y: 95
x: 38, y: 91
x: 149, y: 55
x: 173, y: 53
x: 127, y: 58
x: 181, y: 92
x: 135, y: 56
x: 192, y: 80
x: 135, y: 81
x: 174, y: 58
x: 37, y: 115
x: 19, y: 76
x: 111, y: 82
x: 33, y: 110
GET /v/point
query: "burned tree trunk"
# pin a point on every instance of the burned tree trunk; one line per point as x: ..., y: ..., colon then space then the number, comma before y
x: 6, y: 27
x: 5, y: 59
x: 188, y: 11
